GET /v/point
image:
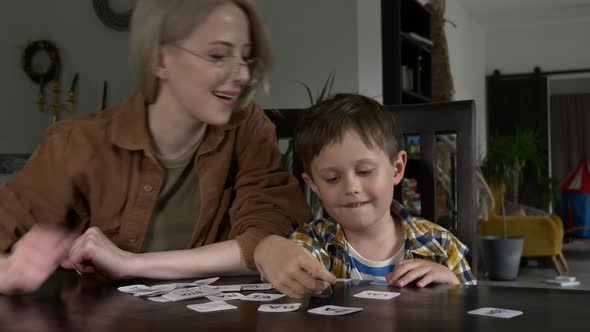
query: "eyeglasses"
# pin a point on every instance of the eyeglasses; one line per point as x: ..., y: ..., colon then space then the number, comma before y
x: 229, y: 62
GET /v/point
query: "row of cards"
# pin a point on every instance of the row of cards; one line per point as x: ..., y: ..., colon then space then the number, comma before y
x: 198, y: 289
x: 218, y: 294
x: 328, y: 310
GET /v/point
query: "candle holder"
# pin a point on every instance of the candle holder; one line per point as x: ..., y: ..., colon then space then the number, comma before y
x: 55, y: 107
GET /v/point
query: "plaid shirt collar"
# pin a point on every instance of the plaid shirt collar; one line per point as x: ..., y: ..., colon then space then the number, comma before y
x: 417, y: 240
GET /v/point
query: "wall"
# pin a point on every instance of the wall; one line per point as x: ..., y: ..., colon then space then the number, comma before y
x: 310, y: 38
x: 370, y: 75
x: 86, y: 46
x: 519, y: 48
x: 467, y: 53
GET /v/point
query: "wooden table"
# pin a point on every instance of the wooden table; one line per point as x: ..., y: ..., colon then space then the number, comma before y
x: 66, y: 303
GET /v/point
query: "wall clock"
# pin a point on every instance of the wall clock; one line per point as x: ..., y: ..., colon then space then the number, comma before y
x: 115, y: 20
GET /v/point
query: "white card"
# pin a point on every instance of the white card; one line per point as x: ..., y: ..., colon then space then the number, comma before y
x: 134, y: 289
x: 158, y: 299
x: 226, y: 288
x: 205, y: 281
x: 563, y: 281
x: 379, y: 282
x: 377, y: 295
x: 262, y: 297
x: 345, y: 280
x: 211, y: 306
x: 226, y: 297
x: 334, y: 310
x: 495, y: 312
x: 255, y: 287
x: 190, y: 293
x: 565, y: 278
x: 287, y: 307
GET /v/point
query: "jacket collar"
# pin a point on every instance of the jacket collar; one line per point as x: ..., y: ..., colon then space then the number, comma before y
x: 129, y: 128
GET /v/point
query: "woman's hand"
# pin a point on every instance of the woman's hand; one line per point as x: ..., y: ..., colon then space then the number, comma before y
x: 93, y: 252
x: 423, y: 271
x: 34, y: 258
x: 290, y: 268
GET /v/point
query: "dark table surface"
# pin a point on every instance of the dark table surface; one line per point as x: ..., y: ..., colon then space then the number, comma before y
x: 66, y: 303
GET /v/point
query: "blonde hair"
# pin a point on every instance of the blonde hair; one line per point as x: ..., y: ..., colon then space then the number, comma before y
x: 158, y: 22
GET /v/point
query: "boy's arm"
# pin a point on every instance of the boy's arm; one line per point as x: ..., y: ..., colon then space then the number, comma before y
x: 456, y: 261
x: 307, y: 238
x: 448, y: 264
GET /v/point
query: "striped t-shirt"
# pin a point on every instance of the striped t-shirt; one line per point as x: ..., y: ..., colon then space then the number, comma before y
x: 365, y: 269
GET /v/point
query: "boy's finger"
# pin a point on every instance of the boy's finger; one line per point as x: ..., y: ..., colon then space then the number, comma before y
x: 320, y: 273
x: 425, y: 281
x: 411, y: 276
x: 400, y: 271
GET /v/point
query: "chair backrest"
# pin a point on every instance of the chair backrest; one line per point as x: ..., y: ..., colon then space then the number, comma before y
x: 428, y: 121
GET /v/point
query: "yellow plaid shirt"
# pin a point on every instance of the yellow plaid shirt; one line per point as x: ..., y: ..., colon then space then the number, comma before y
x: 422, y: 240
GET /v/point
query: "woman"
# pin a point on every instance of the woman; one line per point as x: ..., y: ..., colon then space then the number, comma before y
x: 182, y: 180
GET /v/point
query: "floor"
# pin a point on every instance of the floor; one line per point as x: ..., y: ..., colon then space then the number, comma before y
x: 577, y: 254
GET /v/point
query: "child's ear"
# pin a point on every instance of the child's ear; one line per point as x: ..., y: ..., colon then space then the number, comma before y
x: 309, y: 180
x: 399, y: 166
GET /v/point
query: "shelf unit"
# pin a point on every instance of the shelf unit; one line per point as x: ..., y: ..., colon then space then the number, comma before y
x: 407, y: 61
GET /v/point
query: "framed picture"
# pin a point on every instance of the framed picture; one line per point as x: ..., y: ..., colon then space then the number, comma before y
x: 10, y: 164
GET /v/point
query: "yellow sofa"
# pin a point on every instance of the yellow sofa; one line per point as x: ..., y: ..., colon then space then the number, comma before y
x: 543, y: 235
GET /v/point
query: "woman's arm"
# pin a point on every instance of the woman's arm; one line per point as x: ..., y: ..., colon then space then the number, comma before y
x: 268, y: 200
x: 93, y: 252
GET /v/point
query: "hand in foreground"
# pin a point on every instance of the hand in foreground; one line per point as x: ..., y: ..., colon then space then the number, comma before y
x: 290, y: 268
x: 93, y: 252
x: 34, y: 258
x: 423, y: 271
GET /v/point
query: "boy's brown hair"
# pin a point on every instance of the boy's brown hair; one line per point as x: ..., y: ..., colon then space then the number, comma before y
x: 326, y: 122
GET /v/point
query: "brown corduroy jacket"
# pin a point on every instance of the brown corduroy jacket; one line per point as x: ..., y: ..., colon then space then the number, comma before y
x: 99, y: 170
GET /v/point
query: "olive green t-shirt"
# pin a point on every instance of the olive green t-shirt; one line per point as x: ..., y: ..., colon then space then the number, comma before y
x: 176, y: 212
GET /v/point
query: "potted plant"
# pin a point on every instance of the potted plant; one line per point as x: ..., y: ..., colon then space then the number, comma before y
x: 506, y: 158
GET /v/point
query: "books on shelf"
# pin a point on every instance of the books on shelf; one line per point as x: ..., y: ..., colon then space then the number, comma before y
x: 420, y: 39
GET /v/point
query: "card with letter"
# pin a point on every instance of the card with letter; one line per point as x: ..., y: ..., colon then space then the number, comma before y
x: 334, y: 310
x: 262, y: 297
x: 286, y: 307
x: 495, y: 312
x: 226, y: 297
x: 205, y: 281
x: 226, y: 288
x: 211, y: 306
x: 256, y: 287
x: 190, y: 293
x: 159, y: 299
x: 377, y: 295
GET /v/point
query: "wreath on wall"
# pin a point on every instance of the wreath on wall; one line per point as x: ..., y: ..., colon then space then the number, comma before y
x: 110, y: 18
x: 48, y: 74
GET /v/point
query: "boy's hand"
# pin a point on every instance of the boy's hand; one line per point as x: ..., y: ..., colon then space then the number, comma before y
x: 290, y: 268
x: 423, y: 271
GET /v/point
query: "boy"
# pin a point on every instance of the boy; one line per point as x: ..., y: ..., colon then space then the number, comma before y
x: 352, y: 161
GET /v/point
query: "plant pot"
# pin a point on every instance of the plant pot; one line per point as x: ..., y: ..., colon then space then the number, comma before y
x: 501, y: 256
